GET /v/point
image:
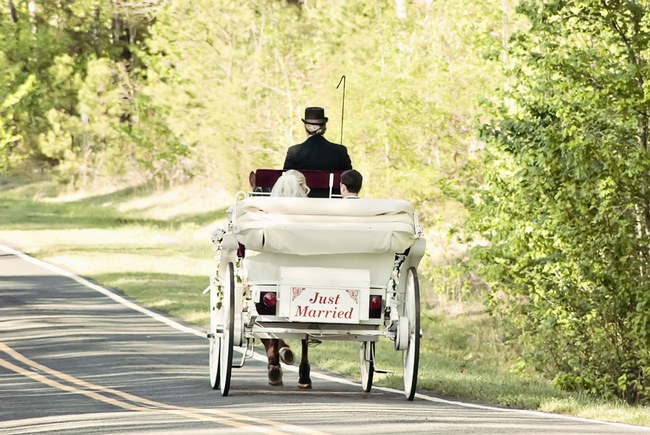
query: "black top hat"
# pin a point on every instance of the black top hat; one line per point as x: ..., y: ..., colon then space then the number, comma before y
x: 315, y: 115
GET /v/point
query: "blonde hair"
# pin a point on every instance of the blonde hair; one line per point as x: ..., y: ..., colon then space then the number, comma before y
x: 291, y: 184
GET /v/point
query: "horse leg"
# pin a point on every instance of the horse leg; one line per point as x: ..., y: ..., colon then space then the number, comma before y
x: 273, y: 356
x: 286, y: 354
x: 304, y: 381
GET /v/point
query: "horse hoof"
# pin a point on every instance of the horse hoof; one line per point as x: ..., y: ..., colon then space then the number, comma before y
x: 275, y: 376
x: 286, y: 356
x: 305, y: 386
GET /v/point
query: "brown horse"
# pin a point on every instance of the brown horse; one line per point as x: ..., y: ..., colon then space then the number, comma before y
x: 277, y: 350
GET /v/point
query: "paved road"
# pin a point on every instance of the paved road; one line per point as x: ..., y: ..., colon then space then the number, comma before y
x: 76, y: 358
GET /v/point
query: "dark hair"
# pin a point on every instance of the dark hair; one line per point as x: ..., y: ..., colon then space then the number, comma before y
x: 352, y: 180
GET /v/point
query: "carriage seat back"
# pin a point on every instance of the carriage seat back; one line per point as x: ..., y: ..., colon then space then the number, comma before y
x: 262, y: 180
x: 305, y: 226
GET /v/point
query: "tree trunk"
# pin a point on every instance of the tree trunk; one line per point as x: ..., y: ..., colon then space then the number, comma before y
x: 14, y: 14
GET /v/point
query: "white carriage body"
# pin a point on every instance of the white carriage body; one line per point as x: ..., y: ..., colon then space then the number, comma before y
x: 323, y: 259
x: 335, y: 269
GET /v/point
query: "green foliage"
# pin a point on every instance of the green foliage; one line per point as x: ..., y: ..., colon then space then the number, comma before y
x: 81, y: 116
x: 234, y: 81
x: 564, y: 210
x: 8, y: 134
x: 117, y: 93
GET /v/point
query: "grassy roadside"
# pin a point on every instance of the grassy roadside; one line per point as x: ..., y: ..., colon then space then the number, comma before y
x: 158, y: 252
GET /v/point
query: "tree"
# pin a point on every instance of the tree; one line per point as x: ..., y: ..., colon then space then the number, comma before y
x: 81, y: 58
x: 565, y: 208
x: 235, y: 78
x: 8, y: 134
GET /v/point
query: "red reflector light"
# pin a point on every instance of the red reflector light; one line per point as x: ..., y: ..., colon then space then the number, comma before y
x: 374, y: 307
x: 269, y: 299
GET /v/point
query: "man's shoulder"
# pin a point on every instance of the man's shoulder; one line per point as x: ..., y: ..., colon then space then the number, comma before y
x: 332, y: 144
x: 294, y: 147
x: 341, y: 148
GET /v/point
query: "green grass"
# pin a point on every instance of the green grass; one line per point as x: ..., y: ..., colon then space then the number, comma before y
x: 444, y: 374
x: 129, y: 240
x: 178, y: 295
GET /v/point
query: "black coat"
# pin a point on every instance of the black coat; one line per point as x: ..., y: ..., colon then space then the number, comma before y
x: 318, y: 153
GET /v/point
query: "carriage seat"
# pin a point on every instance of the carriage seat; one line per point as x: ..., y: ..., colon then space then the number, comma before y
x: 306, y: 226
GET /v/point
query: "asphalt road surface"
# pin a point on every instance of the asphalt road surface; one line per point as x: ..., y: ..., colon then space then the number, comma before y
x: 76, y: 358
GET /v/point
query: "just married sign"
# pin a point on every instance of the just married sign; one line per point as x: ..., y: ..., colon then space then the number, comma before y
x: 327, y: 305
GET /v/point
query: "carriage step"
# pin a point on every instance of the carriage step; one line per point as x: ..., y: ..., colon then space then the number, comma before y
x: 382, y: 371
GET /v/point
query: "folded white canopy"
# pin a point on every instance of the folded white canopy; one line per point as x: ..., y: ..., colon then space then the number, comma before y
x: 312, y: 226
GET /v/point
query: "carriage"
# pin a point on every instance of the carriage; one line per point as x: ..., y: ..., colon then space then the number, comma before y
x: 315, y: 268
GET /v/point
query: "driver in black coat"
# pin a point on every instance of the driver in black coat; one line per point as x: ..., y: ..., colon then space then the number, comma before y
x: 317, y: 152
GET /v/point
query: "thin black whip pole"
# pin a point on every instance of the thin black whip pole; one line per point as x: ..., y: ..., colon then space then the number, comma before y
x: 342, y: 105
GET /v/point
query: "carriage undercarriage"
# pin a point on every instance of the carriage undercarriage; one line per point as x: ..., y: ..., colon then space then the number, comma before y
x: 328, y: 288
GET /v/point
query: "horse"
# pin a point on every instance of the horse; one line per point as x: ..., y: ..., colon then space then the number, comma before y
x: 277, y: 350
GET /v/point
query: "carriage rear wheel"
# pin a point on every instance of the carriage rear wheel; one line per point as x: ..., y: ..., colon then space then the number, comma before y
x: 227, y: 335
x: 367, y: 354
x: 411, y: 356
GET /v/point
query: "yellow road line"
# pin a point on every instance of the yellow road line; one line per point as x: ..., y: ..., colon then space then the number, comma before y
x: 118, y: 403
x: 44, y: 380
x: 227, y: 418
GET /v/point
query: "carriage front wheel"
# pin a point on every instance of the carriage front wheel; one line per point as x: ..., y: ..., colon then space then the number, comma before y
x: 226, y: 338
x: 411, y: 356
x: 214, y: 361
x: 367, y: 355
x: 213, y: 353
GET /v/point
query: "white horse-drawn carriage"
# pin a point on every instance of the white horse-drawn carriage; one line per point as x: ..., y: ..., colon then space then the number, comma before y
x: 317, y: 268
